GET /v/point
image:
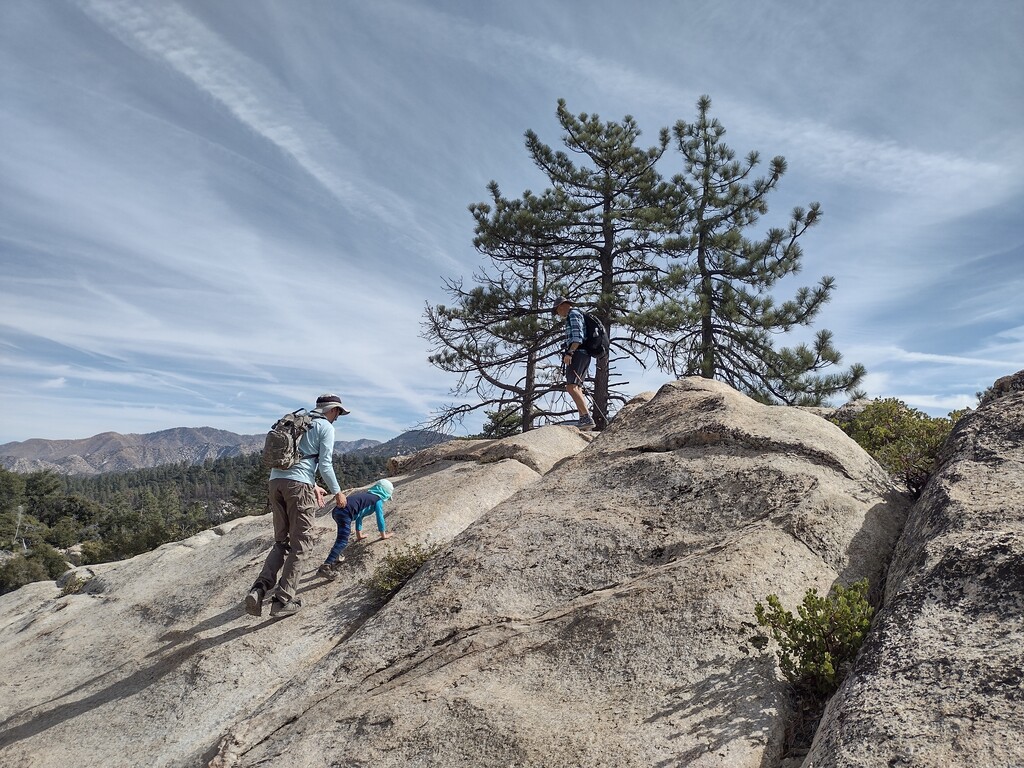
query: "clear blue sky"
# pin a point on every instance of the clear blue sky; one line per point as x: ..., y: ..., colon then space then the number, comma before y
x: 210, y: 212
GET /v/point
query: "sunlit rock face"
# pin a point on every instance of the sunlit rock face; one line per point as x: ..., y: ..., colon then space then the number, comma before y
x: 590, y: 604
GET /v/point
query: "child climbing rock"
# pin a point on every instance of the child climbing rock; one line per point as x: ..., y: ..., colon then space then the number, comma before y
x: 359, y: 506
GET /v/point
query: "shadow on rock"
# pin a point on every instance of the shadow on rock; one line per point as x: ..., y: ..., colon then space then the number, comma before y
x: 749, y: 717
x: 39, y: 721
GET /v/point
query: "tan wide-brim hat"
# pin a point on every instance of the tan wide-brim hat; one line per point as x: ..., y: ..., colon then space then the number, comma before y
x: 326, y: 402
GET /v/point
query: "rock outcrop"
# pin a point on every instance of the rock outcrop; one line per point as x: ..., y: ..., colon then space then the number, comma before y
x: 540, y: 450
x: 153, y: 658
x: 939, y: 681
x: 1003, y: 386
x: 599, y: 616
x: 591, y: 605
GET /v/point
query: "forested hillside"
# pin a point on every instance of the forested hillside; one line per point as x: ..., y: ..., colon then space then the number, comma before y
x: 45, y: 517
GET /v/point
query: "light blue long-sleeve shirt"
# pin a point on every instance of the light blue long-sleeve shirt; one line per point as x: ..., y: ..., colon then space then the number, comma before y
x: 317, y: 449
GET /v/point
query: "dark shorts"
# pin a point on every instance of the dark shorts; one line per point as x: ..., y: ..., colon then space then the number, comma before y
x: 576, y: 373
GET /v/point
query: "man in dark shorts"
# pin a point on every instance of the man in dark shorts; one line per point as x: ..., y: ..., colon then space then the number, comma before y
x: 575, y: 359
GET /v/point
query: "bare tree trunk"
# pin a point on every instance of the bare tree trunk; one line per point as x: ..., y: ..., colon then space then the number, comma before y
x: 607, y: 259
x: 529, y: 391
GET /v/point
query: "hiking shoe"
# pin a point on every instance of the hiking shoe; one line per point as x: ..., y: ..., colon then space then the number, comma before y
x: 285, y: 609
x: 329, y: 571
x: 254, y: 601
x: 585, y: 423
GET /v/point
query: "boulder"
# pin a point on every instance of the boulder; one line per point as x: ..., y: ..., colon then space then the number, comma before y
x: 539, y: 449
x: 453, y: 450
x: 600, y: 616
x: 590, y: 604
x: 939, y: 681
x: 845, y: 412
x: 1003, y: 386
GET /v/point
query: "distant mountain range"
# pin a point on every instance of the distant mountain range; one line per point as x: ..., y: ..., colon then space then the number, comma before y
x: 114, y: 452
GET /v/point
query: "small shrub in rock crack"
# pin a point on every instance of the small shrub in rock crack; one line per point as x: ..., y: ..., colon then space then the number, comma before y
x: 817, y: 647
x: 73, y: 586
x: 398, y: 566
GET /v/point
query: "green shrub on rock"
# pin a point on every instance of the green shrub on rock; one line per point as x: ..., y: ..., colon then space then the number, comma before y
x: 95, y: 552
x: 41, y: 563
x: 903, y: 440
x: 73, y: 586
x: 398, y: 566
x: 52, y: 560
x: 817, y: 647
x: 19, y: 570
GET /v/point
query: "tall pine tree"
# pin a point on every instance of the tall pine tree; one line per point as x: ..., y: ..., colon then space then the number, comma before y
x: 719, y: 319
x: 667, y: 267
x: 601, y: 221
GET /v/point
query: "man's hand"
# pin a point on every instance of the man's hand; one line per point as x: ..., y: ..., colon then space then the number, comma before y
x: 340, y: 500
x: 321, y: 494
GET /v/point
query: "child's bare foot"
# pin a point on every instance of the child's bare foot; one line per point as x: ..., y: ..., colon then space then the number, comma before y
x: 360, y: 536
x: 386, y: 535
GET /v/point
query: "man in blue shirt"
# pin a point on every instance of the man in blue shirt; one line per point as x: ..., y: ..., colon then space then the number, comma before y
x: 575, y: 359
x: 294, y: 500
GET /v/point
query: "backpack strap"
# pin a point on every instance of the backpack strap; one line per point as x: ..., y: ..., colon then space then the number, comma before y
x: 315, y: 456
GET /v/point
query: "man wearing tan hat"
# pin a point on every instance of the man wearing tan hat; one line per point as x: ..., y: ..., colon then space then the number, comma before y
x: 294, y: 500
x: 575, y: 359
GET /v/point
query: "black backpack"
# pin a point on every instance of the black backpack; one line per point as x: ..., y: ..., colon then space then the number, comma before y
x: 281, y: 447
x: 595, y: 338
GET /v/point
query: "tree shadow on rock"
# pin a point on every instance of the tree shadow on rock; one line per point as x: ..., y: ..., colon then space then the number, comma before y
x: 40, y: 720
x: 744, y: 701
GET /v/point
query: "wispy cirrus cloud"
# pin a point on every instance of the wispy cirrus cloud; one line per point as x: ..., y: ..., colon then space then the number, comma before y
x: 902, y: 355
x: 183, y: 180
x: 168, y: 33
x: 826, y: 150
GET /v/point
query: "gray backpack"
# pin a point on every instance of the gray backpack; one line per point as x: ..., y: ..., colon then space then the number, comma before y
x: 281, y: 448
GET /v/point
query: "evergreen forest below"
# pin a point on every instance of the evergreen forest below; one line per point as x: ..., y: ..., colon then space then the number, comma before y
x: 44, y: 516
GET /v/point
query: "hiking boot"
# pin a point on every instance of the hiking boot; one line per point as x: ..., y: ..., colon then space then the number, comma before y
x: 586, y: 423
x: 329, y: 571
x: 254, y: 601
x: 285, y: 609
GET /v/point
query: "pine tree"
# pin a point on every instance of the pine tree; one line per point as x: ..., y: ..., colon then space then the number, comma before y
x: 504, y: 422
x: 719, y: 318
x: 494, y: 336
x: 599, y: 224
x: 12, y: 490
x: 250, y: 494
x: 43, y: 495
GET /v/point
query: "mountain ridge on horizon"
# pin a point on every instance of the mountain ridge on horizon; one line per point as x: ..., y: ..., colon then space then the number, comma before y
x: 116, y: 452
